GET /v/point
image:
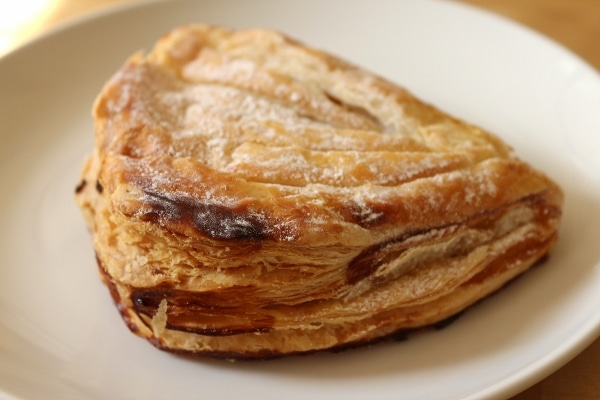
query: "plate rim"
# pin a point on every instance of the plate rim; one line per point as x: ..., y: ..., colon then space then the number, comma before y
x: 535, y: 372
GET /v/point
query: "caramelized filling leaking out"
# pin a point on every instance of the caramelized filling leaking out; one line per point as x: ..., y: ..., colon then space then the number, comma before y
x: 370, y: 259
x: 206, y: 313
x: 80, y: 186
x: 513, y: 255
x: 215, y: 221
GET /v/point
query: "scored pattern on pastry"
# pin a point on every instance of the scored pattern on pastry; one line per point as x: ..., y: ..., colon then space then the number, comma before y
x: 251, y: 197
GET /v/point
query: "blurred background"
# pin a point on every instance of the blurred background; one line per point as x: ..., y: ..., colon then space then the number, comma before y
x: 573, y: 23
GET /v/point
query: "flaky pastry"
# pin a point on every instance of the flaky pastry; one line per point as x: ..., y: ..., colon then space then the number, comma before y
x: 252, y: 197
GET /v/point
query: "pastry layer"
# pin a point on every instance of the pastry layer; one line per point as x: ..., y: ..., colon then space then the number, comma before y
x: 251, y: 197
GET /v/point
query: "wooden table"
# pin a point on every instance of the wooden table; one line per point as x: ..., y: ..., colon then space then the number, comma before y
x: 573, y: 23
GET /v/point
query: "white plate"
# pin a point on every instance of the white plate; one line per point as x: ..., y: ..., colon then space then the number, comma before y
x: 60, y: 336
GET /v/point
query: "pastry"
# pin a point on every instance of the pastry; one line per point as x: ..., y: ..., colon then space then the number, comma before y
x: 251, y: 197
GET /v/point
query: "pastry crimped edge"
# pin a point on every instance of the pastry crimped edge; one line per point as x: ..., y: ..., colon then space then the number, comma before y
x: 251, y: 197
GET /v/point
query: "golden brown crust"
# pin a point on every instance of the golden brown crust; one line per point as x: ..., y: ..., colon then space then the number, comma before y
x: 252, y: 197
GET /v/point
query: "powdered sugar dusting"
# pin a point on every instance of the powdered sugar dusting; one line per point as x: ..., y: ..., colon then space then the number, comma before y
x: 244, y: 118
x: 275, y: 195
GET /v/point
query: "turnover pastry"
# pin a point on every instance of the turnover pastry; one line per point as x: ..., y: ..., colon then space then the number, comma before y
x: 252, y: 197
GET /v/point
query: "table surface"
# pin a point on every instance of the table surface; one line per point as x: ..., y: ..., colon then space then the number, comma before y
x: 573, y: 23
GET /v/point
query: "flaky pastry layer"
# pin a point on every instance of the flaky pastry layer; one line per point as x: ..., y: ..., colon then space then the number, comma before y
x: 251, y: 197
